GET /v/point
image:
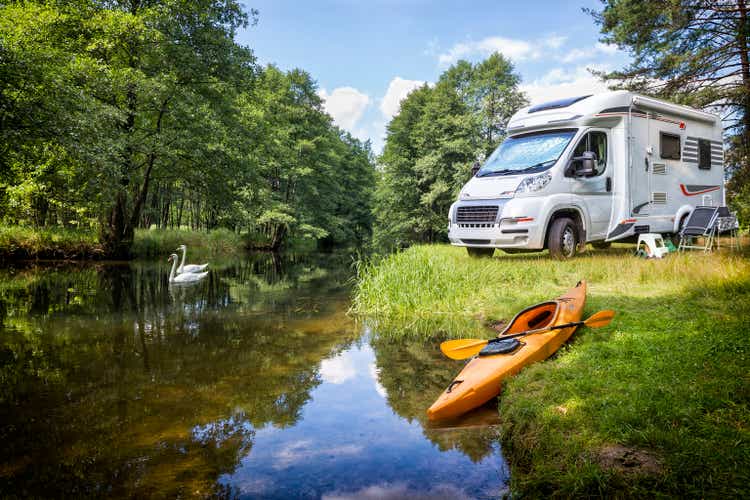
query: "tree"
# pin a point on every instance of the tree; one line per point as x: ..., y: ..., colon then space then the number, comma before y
x: 691, y: 51
x: 128, y: 113
x: 432, y: 143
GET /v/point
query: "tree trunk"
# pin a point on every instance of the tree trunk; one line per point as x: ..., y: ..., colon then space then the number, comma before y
x: 743, y: 33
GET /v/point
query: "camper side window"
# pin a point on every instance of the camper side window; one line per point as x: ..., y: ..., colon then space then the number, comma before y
x: 596, y: 142
x: 670, y: 146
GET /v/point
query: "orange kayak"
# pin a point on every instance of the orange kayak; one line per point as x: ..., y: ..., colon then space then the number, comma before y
x: 480, y: 379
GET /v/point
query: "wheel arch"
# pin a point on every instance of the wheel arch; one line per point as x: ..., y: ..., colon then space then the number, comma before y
x: 683, y: 211
x: 572, y: 211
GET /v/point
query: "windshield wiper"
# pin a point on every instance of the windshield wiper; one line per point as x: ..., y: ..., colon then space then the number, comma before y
x: 497, y: 172
x: 508, y: 171
x: 535, y: 166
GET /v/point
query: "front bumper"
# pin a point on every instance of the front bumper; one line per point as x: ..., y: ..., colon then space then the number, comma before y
x: 518, y: 235
x: 504, y: 231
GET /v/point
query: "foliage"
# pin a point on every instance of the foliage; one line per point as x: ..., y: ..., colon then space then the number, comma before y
x: 120, y: 115
x: 694, y: 52
x: 432, y: 143
x: 18, y: 242
x: 666, y: 380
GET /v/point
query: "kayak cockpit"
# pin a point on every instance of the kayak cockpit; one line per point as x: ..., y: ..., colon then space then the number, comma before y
x: 533, y: 318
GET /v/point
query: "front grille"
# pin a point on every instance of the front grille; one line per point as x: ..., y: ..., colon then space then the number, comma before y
x: 477, y: 213
x: 642, y: 229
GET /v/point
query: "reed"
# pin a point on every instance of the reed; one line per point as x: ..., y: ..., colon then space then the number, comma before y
x: 162, y: 242
x: 20, y: 242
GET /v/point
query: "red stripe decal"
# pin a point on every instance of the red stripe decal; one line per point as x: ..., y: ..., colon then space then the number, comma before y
x: 694, y: 193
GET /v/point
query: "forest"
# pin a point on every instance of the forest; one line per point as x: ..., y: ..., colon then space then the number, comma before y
x: 121, y: 115
x: 118, y: 115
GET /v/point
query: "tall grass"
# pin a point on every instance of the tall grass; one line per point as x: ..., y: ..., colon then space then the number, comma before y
x: 438, y: 291
x: 656, y: 404
x: 18, y: 242
x: 159, y: 242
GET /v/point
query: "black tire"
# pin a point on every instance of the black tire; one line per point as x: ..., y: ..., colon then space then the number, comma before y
x: 676, y: 236
x: 480, y: 252
x: 601, y: 245
x: 562, y: 239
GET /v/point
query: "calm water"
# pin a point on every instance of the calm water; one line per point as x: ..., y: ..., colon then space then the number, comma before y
x: 253, y: 383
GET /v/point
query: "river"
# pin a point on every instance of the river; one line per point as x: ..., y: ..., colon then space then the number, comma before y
x: 253, y: 383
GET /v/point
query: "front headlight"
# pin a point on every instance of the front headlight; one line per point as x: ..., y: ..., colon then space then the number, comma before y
x: 535, y: 183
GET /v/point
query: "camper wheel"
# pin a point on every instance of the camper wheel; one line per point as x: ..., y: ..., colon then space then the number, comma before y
x: 480, y: 252
x: 563, y: 238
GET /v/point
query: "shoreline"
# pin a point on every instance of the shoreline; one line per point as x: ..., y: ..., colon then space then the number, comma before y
x: 18, y: 244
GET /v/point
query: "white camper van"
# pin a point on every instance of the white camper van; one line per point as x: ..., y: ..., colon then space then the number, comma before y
x: 596, y: 168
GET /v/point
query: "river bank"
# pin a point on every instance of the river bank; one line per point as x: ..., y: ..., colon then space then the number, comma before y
x: 24, y: 243
x: 654, y: 404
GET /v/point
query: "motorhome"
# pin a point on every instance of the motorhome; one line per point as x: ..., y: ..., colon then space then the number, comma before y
x: 590, y: 169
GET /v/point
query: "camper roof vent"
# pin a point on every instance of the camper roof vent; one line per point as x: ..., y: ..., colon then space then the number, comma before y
x: 561, y: 103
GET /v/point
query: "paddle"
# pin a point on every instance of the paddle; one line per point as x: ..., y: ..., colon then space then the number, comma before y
x: 466, y: 348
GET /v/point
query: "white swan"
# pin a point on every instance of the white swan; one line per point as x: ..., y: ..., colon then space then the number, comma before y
x: 183, y: 278
x: 190, y: 268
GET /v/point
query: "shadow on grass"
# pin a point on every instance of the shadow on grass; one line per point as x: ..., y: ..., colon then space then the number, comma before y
x: 669, y: 378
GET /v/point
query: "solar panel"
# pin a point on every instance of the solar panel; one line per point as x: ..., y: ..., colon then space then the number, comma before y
x: 560, y: 103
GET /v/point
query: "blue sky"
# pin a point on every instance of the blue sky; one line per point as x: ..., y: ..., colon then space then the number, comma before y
x: 367, y: 56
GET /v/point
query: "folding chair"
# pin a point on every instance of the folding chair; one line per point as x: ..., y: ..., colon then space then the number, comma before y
x: 726, y: 223
x: 699, y: 224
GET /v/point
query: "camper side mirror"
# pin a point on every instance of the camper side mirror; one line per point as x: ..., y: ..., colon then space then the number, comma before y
x: 582, y: 166
x: 475, y: 168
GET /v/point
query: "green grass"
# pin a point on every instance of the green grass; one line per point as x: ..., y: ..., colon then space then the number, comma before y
x: 18, y: 242
x: 656, y: 404
x: 159, y: 242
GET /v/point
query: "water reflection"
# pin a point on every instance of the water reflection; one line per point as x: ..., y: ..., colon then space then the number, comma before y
x: 413, y: 374
x: 251, y: 382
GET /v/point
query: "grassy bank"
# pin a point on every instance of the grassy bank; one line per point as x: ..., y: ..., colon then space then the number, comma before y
x: 160, y: 242
x: 20, y: 243
x: 654, y: 404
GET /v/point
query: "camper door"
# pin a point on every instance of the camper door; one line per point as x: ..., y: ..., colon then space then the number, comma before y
x: 595, y: 190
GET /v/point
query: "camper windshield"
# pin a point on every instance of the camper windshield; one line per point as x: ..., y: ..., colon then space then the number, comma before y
x: 527, y: 153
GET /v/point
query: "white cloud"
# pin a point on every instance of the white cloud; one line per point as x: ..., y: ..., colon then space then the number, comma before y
x: 346, y: 105
x: 575, y: 55
x: 398, y: 89
x: 337, y: 370
x: 375, y: 375
x: 554, y: 41
x: 559, y: 83
x: 307, y: 449
x: 518, y: 50
x: 607, y: 49
x: 397, y: 491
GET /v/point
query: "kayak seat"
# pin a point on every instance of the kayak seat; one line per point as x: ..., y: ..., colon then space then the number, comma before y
x: 532, y: 318
x: 539, y: 319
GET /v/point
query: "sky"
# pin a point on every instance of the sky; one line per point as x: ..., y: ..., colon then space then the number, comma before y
x: 368, y: 55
